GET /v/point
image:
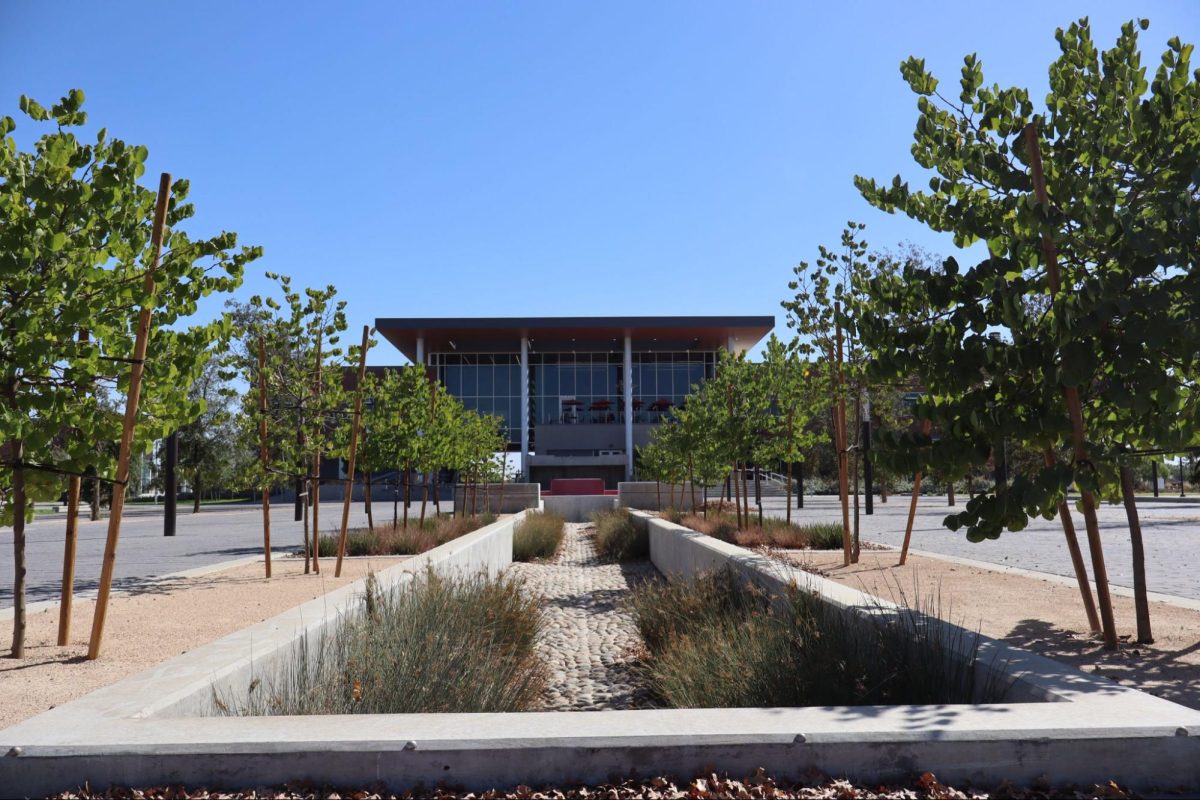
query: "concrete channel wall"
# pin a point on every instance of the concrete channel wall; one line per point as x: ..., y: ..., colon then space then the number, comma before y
x: 507, y: 499
x: 652, y: 496
x: 127, y: 735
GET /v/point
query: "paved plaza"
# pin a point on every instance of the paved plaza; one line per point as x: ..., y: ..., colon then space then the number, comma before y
x: 1170, y: 530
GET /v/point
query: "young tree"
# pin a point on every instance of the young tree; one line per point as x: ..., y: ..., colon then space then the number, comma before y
x: 74, y: 253
x: 1089, y: 208
x: 305, y: 399
x: 208, y: 445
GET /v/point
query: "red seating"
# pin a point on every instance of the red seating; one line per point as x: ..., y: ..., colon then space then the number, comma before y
x: 576, y: 486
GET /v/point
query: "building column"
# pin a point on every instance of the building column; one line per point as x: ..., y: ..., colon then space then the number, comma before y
x: 628, y: 408
x: 421, y: 350
x: 525, y: 408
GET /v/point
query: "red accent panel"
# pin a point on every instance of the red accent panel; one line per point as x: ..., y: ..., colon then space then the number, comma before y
x: 577, y: 486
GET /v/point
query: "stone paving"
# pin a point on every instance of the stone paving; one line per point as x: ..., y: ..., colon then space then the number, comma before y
x: 590, y: 642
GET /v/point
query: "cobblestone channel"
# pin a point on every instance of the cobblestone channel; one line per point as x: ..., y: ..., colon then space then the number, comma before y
x: 590, y: 643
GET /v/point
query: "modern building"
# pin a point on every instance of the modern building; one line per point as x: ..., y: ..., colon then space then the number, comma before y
x: 578, y: 393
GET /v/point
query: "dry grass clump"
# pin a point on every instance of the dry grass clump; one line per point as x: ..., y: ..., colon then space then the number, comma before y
x: 437, y: 645
x: 773, y: 532
x: 720, y: 642
x: 538, y: 535
x: 404, y: 541
x: 617, y: 538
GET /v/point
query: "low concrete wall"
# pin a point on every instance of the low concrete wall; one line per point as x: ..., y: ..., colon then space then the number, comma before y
x: 651, y: 496
x: 579, y: 507
x: 183, y: 686
x: 507, y: 499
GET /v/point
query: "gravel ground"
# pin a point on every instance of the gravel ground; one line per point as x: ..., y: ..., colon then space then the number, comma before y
x: 590, y: 644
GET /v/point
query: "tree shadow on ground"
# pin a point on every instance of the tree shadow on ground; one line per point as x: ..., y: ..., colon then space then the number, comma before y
x: 1168, y: 674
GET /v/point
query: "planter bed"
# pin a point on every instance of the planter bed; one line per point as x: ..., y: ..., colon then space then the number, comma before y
x: 146, y: 732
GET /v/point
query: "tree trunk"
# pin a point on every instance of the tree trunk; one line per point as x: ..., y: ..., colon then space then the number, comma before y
x: 437, y: 489
x: 196, y: 498
x: 692, y: 479
x: 737, y: 494
x: 18, y: 495
x: 69, y: 547
x: 883, y: 486
x: 789, y: 493
x: 367, y: 503
x: 1140, y: 600
x: 658, y: 494
x: 950, y: 492
x: 1068, y: 526
x: 396, y: 501
x: 95, y: 511
x: 424, y: 496
x: 407, y: 491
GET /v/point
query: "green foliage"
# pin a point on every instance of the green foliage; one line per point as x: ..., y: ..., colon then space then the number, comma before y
x: 618, y: 538
x: 74, y: 245
x: 538, y: 536
x: 719, y: 642
x: 436, y: 646
x: 989, y: 342
x: 306, y: 404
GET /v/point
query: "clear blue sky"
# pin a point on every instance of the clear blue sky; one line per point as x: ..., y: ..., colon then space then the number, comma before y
x: 542, y: 158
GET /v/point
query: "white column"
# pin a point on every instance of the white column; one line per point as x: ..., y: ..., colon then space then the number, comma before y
x: 421, y: 350
x: 628, y: 408
x: 731, y: 347
x: 525, y: 407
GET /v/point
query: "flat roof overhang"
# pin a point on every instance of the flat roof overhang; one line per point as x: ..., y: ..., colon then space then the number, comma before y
x: 556, y: 334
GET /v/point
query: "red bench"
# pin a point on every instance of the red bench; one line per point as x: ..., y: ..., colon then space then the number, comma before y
x: 559, y: 486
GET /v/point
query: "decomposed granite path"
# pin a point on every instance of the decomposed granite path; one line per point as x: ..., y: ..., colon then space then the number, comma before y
x: 589, y: 642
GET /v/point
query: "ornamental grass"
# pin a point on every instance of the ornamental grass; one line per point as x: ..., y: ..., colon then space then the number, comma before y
x: 773, y: 532
x: 721, y: 642
x: 538, y: 536
x: 437, y: 645
x: 618, y: 538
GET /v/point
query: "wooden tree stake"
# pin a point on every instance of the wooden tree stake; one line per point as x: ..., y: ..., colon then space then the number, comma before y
x: 354, y: 425
x: 1074, y: 409
x: 315, y: 480
x: 926, y: 426
x: 843, y: 461
x: 263, y: 453
x: 131, y: 408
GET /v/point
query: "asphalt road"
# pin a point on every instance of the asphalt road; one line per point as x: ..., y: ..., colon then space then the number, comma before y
x: 225, y: 532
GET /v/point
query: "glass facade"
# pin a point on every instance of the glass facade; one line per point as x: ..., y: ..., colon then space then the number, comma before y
x: 489, y: 383
x: 572, y: 388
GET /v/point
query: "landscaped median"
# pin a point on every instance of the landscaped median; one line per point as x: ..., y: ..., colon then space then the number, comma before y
x: 146, y: 731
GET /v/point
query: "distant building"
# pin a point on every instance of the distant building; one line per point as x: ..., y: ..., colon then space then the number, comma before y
x: 564, y: 384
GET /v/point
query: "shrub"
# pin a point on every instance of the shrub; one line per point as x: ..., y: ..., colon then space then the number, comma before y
x: 617, y: 538
x: 773, y: 532
x: 438, y: 645
x: 401, y: 540
x: 538, y: 536
x: 719, y: 642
